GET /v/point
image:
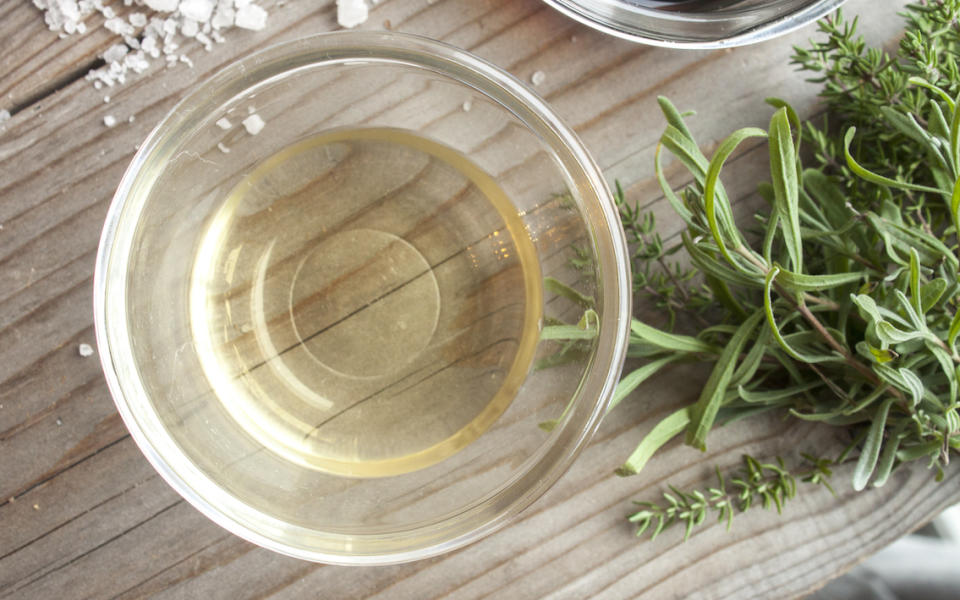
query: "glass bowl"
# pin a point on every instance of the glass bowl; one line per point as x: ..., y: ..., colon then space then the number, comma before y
x: 702, y: 24
x: 324, y: 291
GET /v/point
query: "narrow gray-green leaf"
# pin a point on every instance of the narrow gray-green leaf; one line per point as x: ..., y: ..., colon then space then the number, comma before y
x: 915, y: 281
x: 874, y: 177
x: 663, y: 432
x: 786, y: 182
x: 888, y: 457
x: 567, y: 332
x: 672, y: 198
x: 554, y: 286
x: 774, y: 396
x: 871, y: 446
x: 704, y: 412
x: 931, y: 292
x: 718, y: 212
x: 953, y: 332
x: 633, y: 380
x: 801, y: 282
x: 670, y: 341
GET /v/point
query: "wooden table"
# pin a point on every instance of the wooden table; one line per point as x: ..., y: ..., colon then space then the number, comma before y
x: 87, y: 517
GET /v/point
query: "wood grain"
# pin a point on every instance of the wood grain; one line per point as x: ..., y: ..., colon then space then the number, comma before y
x: 89, y: 518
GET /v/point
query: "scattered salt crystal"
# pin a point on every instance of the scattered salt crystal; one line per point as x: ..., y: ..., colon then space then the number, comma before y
x: 538, y: 77
x: 141, y: 38
x: 85, y: 350
x: 198, y: 10
x: 189, y: 28
x: 4, y: 116
x: 467, y: 105
x: 131, y: 118
x: 59, y: 422
x: 223, y: 17
x: 109, y: 121
x: 115, y: 53
x: 162, y: 5
x: 106, y: 99
x: 251, y: 110
x: 253, y: 124
x: 223, y: 148
x: 224, y: 123
x: 36, y: 507
x: 252, y: 17
x: 119, y: 26
x: 351, y: 13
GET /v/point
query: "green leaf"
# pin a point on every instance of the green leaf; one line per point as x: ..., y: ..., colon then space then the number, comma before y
x: 670, y: 341
x: 915, y: 281
x: 563, y: 290
x: 663, y: 432
x: 935, y: 89
x: 772, y: 321
x: 792, y: 117
x: 722, y: 226
x: 633, y: 380
x: 930, y: 294
x: 783, y: 171
x: 703, y: 413
x: 871, y: 446
x: 889, y: 334
x: 567, y: 332
x: 873, y: 177
x: 776, y: 395
x: 954, y: 331
x: 800, y: 282
x: 675, y: 202
x: 955, y: 136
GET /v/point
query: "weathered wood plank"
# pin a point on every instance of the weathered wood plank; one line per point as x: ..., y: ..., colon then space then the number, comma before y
x: 101, y: 509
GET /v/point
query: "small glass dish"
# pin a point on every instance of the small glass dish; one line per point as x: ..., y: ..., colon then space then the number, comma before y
x: 321, y: 292
x: 696, y: 24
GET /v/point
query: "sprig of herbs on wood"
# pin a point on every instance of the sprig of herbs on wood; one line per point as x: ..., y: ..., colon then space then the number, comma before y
x: 845, y: 309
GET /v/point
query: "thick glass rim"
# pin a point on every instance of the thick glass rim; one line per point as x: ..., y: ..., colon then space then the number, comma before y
x: 657, y: 28
x: 113, y: 336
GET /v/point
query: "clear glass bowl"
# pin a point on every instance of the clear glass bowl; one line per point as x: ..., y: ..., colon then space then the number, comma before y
x: 693, y: 24
x: 284, y: 237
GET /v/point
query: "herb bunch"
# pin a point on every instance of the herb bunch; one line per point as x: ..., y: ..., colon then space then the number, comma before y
x: 844, y: 309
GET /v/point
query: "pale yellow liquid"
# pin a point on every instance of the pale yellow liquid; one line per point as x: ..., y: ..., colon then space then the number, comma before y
x: 366, y: 302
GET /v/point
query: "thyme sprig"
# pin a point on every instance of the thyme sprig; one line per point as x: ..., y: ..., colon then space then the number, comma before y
x: 766, y: 484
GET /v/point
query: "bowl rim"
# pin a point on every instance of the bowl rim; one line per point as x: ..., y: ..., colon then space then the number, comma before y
x: 142, y: 421
x: 773, y: 28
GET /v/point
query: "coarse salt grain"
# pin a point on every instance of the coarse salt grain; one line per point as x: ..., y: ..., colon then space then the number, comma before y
x: 351, y: 13
x: 4, y: 117
x: 85, y: 350
x: 162, y: 5
x: 538, y: 77
x: 224, y: 123
x: 253, y: 124
x: 109, y: 120
x: 251, y: 17
x: 198, y: 10
x: 467, y: 105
